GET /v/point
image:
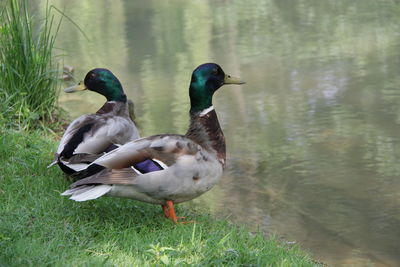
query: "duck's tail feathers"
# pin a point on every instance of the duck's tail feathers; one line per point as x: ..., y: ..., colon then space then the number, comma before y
x: 77, y: 167
x: 52, y: 164
x: 112, y: 147
x: 87, y: 192
x: 88, y: 171
x: 55, y: 161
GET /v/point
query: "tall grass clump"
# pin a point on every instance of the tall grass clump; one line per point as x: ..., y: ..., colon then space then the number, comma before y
x: 29, y: 77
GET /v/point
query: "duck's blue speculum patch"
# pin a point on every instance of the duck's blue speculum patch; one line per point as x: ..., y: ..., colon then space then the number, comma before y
x: 148, y: 166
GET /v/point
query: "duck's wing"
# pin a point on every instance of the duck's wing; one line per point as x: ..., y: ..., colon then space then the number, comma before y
x: 163, y: 148
x: 85, y: 139
x: 76, y: 133
x: 108, y: 176
x: 138, y: 157
x: 93, y: 134
x: 73, y: 136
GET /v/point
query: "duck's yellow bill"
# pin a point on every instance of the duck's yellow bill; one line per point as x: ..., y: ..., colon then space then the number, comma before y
x: 232, y: 80
x: 79, y: 87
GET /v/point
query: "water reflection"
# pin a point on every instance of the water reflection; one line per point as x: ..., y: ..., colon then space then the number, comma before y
x: 313, y: 143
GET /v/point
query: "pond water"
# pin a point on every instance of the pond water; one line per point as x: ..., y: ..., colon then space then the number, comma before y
x: 313, y: 138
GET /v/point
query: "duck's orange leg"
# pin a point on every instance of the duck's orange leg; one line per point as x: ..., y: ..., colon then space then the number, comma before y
x: 169, y: 211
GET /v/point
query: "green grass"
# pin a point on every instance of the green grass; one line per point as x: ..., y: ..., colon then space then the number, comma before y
x: 29, y: 77
x: 38, y: 227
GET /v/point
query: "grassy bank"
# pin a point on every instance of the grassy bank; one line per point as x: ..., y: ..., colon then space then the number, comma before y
x: 38, y: 227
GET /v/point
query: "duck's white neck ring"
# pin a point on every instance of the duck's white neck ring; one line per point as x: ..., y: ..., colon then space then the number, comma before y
x: 205, y: 111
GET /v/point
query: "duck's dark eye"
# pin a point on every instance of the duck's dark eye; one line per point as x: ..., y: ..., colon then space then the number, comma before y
x: 92, y: 75
x: 214, y: 72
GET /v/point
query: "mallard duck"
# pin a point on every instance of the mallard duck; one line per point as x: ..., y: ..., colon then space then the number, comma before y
x: 88, y: 136
x: 168, y: 168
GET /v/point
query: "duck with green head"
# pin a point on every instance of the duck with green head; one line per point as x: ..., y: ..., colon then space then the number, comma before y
x: 88, y: 136
x: 168, y: 168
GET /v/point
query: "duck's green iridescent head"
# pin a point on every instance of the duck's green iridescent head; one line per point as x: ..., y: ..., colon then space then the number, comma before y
x: 206, y: 79
x: 103, y: 82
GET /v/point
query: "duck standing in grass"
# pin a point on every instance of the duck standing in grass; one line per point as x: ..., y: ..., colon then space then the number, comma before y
x: 87, y: 137
x: 167, y: 168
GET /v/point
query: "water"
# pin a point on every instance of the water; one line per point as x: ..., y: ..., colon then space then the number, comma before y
x: 313, y: 137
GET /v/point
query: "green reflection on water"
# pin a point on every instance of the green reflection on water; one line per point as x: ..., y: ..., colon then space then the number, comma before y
x: 312, y: 137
